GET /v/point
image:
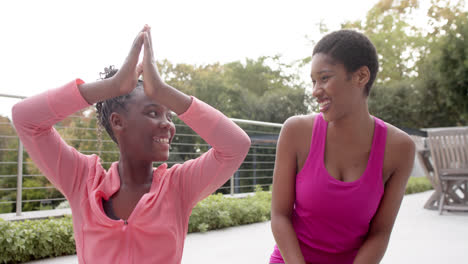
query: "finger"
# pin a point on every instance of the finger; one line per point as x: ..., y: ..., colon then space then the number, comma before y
x: 139, y: 70
x: 147, y: 54
x: 150, y: 38
x: 136, y: 47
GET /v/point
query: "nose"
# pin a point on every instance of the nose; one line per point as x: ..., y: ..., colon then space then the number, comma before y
x: 165, y: 123
x: 316, y: 90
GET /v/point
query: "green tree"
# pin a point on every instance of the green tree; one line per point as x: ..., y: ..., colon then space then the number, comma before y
x: 251, y: 90
x: 422, y: 80
x: 444, y: 81
x: 397, y: 41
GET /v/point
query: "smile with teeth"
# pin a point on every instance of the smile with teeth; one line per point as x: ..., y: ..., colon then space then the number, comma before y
x: 324, y: 104
x: 161, y: 140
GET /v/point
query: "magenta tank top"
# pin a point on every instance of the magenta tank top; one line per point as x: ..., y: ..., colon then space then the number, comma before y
x: 331, y: 218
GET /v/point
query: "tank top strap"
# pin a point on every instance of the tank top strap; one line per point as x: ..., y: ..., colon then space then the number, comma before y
x: 319, y: 135
x: 378, y: 146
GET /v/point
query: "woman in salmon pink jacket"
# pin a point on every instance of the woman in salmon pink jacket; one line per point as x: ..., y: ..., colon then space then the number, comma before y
x: 132, y: 213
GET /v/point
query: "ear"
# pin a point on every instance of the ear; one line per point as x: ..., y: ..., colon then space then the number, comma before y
x: 362, y: 76
x: 117, y: 122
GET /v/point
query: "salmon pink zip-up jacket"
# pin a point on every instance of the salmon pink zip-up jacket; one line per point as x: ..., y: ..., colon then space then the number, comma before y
x: 156, y: 229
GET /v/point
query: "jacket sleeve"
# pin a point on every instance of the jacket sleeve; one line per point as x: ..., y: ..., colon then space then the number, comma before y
x: 200, y: 177
x: 34, y: 118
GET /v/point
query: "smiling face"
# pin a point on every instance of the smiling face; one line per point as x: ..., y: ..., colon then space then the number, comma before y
x: 146, y: 129
x: 338, y: 92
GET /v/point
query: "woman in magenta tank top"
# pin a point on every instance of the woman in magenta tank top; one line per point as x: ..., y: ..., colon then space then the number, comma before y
x: 339, y: 176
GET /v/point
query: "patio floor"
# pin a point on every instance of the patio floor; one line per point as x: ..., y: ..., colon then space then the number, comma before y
x: 419, y: 236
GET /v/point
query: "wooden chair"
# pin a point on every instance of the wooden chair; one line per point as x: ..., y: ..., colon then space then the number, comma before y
x: 423, y: 156
x: 449, y: 152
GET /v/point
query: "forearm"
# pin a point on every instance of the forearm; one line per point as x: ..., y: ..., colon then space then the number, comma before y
x: 169, y: 96
x: 99, y: 91
x: 373, y: 249
x: 230, y: 145
x: 286, y: 239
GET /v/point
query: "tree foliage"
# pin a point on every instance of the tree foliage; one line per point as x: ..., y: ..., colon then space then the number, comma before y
x: 251, y: 90
x: 422, y: 80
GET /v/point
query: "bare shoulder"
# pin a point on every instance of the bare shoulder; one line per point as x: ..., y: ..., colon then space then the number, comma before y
x: 299, y: 123
x: 400, y: 148
x: 397, y: 139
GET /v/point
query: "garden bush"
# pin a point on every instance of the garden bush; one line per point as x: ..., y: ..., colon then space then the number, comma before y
x: 417, y: 185
x: 218, y: 211
x: 29, y: 240
x: 36, y: 239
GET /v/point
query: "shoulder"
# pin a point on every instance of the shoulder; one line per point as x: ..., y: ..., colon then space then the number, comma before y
x: 400, y: 148
x: 297, y: 132
x: 398, y: 139
x: 299, y: 122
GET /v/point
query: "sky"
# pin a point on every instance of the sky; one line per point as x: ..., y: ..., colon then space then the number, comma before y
x: 45, y: 44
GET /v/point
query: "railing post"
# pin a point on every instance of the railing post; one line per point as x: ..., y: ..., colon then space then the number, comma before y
x: 19, y: 184
x: 232, y: 184
x: 254, y: 150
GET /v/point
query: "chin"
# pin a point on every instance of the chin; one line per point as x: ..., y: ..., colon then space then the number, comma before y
x: 328, y: 116
x: 160, y: 157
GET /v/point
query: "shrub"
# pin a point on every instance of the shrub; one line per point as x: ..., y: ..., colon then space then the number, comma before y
x: 63, y: 205
x: 218, y: 211
x: 418, y: 184
x: 29, y: 240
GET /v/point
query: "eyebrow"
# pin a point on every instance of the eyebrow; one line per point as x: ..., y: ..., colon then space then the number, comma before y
x: 152, y: 105
x: 161, y: 107
x: 320, y: 72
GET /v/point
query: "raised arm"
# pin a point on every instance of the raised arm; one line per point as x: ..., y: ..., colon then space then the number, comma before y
x: 155, y: 87
x: 200, y: 177
x: 230, y: 144
x: 34, y: 118
x: 283, y: 196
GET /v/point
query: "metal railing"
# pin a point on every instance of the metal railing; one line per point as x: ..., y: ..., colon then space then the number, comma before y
x: 256, y: 170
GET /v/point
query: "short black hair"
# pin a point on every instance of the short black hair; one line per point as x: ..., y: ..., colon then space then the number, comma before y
x: 105, y: 108
x: 353, y: 50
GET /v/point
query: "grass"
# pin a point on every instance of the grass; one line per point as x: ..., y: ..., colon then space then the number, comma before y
x: 417, y: 185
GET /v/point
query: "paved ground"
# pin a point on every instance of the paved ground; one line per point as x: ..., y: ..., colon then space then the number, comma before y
x: 419, y: 236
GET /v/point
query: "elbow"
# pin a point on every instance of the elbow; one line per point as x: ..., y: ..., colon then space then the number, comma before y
x: 240, y: 144
x: 279, y: 219
x: 23, y: 119
x: 16, y: 115
x: 246, y: 143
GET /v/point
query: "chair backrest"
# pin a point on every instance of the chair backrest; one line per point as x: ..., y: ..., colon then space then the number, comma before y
x: 449, y: 149
x: 419, y: 142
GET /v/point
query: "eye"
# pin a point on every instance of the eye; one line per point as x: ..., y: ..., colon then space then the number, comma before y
x: 169, y: 116
x: 325, y: 78
x: 153, y: 113
x: 314, y: 82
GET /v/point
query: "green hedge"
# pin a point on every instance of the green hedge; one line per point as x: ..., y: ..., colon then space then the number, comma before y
x: 217, y: 211
x: 29, y: 240
x: 417, y: 185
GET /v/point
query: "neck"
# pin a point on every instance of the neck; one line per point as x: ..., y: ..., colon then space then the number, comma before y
x: 134, y: 172
x: 354, y: 125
